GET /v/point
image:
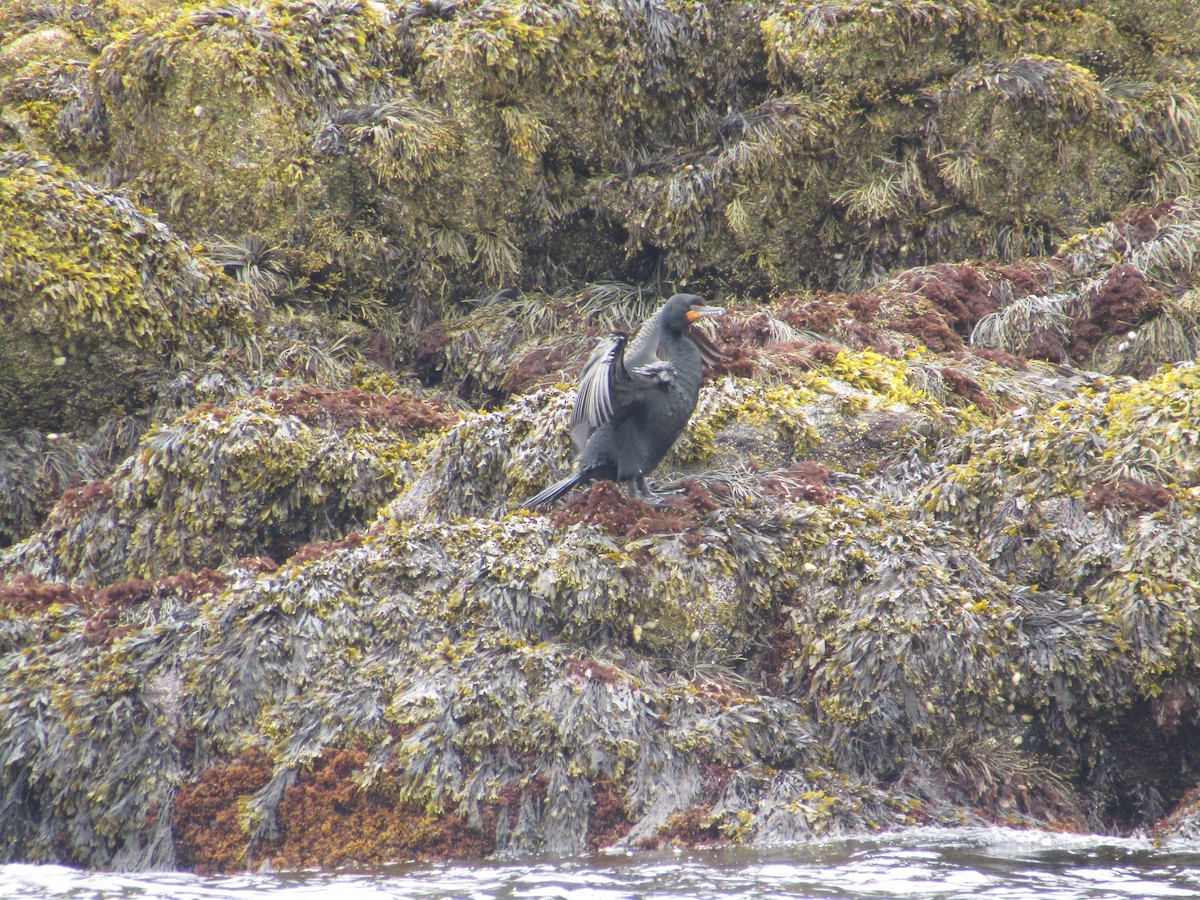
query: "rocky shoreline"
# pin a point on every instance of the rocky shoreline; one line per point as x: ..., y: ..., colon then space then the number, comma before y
x: 294, y: 294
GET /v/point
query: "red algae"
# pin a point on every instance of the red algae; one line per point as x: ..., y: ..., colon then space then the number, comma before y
x: 358, y: 408
x: 328, y: 819
x: 959, y: 293
x: 806, y: 480
x: 208, y: 836
x: 604, y: 507
x: 931, y: 329
x: 1128, y: 494
x: 967, y: 388
x: 538, y: 367
x: 318, y: 549
x: 608, y: 822
x: 25, y: 594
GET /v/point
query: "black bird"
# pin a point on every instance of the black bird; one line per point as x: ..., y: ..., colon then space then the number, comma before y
x: 636, y: 396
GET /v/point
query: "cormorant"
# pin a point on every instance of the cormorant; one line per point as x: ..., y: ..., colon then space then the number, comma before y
x: 635, y: 397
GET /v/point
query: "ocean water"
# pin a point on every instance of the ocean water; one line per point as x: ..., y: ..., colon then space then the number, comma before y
x: 989, y: 863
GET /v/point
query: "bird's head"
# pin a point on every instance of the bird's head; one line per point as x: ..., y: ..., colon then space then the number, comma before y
x: 683, y: 309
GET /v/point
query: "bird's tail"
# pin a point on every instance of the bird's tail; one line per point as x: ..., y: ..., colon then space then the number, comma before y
x: 556, y: 490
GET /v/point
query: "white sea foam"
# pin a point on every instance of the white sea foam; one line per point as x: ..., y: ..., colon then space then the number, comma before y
x: 938, y: 864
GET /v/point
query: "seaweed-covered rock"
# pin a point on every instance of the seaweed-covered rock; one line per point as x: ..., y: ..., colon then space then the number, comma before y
x: 1057, y: 149
x: 260, y: 477
x: 1124, y: 301
x: 1095, y: 496
x: 925, y: 552
x: 878, y: 49
x: 462, y: 705
x: 1095, y: 499
x: 106, y: 720
x: 206, y: 113
x: 775, y: 655
x: 1183, y: 823
x: 220, y: 117
x: 35, y: 471
x: 288, y: 121
x: 855, y: 414
x: 97, y: 297
x: 44, y: 53
x: 99, y: 304
x: 477, y: 146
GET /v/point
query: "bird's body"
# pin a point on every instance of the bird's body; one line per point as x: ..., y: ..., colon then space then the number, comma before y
x: 635, y: 397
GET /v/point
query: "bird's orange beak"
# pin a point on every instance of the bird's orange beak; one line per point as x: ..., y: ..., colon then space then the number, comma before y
x: 703, y: 312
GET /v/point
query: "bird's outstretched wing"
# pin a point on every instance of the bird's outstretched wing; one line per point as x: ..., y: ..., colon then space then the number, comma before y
x: 607, y: 387
x: 593, y: 400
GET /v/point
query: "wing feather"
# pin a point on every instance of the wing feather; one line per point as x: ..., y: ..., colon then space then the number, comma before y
x: 608, y: 387
x: 593, y: 399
